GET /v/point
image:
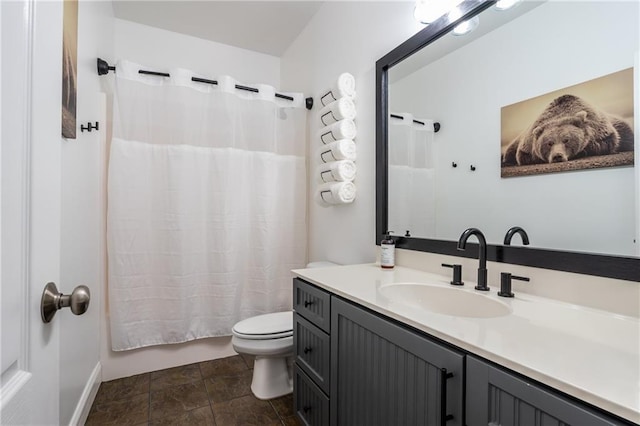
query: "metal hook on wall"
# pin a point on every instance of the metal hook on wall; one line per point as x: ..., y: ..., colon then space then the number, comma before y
x: 89, y: 127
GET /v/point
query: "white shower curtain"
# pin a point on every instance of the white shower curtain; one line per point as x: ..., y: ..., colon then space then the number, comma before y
x: 206, y: 206
x: 412, y: 192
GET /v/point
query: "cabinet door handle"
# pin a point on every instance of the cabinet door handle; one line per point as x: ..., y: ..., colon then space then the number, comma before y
x: 307, y: 350
x: 307, y: 303
x: 444, y: 417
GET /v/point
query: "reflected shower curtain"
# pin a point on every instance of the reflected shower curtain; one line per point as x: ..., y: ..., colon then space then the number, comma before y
x: 206, y: 206
x: 412, y: 196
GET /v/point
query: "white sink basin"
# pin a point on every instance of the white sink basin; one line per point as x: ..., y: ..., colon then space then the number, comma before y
x: 445, y: 300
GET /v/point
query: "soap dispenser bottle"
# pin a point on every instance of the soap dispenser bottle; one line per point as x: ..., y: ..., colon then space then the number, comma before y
x: 387, y: 251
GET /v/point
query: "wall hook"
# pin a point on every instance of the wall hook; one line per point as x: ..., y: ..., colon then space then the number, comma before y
x: 473, y: 168
x: 89, y: 127
x: 454, y: 164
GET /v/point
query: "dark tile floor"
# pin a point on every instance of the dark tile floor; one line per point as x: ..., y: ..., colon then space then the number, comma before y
x: 214, y: 392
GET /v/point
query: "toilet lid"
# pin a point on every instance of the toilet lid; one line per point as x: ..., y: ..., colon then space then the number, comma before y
x: 267, y: 326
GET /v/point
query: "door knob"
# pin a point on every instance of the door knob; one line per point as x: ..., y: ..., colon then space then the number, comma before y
x: 52, y: 300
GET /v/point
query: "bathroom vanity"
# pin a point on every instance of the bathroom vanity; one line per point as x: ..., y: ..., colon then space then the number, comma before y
x: 369, y: 350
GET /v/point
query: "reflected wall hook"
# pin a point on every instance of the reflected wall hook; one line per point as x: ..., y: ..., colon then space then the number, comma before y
x: 454, y: 164
x: 473, y: 168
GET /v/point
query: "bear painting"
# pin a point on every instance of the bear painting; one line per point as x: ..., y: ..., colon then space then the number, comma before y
x: 569, y: 134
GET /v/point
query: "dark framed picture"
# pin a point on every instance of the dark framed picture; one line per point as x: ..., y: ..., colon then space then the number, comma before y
x: 585, y: 126
x: 69, y: 67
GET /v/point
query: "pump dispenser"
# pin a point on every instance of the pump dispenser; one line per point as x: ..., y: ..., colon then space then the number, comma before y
x: 387, y: 251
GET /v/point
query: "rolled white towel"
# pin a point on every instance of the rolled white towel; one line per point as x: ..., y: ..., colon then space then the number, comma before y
x: 343, y: 108
x: 333, y: 193
x: 345, y: 85
x: 337, y: 171
x: 343, y: 129
x: 344, y: 149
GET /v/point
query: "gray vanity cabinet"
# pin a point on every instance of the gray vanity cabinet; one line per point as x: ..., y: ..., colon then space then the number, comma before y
x: 496, y: 397
x: 311, y: 345
x: 356, y: 367
x: 383, y: 373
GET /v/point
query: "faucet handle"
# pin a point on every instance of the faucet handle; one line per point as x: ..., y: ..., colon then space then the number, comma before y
x: 505, y: 283
x: 457, y: 273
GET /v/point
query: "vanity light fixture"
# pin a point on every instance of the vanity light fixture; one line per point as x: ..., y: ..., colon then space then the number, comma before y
x: 466, y: 27
x: 506, y: 4
x: 427, y: 11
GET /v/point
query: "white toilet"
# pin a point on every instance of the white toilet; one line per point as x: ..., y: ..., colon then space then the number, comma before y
x: 269, y: 338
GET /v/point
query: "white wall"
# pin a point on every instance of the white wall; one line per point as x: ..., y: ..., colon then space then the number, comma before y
x: 82, y: 216
x: 351, y: 37
x: 516, y: 62
x: 162, y: 49
x: 611, y: 295
x: 346, y: 37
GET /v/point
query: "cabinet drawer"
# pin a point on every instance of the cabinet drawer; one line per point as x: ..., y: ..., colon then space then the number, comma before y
x: 312, y: 303
x: 311, y: 405
x: 312, y: 349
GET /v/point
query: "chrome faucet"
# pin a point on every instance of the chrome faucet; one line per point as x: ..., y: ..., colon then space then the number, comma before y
x: 482, y: 255
x: 516, y: 230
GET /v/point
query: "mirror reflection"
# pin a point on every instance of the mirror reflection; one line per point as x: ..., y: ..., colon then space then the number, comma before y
x: 441, y: 183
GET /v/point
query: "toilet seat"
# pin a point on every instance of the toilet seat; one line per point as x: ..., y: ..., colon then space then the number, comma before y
x: 265, y: 327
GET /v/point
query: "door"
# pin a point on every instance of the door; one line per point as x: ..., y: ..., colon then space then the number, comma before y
x: 496, y: 397
x: 31, y: 35
x: 383, y: 373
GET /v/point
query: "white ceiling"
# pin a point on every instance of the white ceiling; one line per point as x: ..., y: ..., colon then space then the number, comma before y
x: 262, y: 26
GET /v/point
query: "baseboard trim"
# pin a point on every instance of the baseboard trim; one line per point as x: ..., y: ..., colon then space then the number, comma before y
x: 81, y: 413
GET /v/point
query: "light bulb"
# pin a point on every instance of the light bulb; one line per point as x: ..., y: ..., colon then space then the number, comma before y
x: 506, y: 4
x: 427, y: 11
x: 466, y: 27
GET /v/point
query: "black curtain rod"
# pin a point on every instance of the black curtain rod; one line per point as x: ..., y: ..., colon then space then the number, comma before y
x: 104, y: 68
x: 436, y: 125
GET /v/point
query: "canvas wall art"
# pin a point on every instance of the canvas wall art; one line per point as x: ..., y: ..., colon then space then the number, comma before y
x: 585, y: 126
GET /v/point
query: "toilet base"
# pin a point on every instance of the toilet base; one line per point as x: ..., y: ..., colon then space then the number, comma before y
x: 272, y: 377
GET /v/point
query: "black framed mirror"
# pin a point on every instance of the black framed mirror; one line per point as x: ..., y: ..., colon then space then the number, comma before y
x: 626, y: 267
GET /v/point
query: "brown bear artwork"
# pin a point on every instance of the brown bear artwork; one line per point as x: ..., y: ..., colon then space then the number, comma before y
x: 569, y: 128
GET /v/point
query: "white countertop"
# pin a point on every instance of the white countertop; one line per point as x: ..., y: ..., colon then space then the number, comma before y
x: 587, y: 353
